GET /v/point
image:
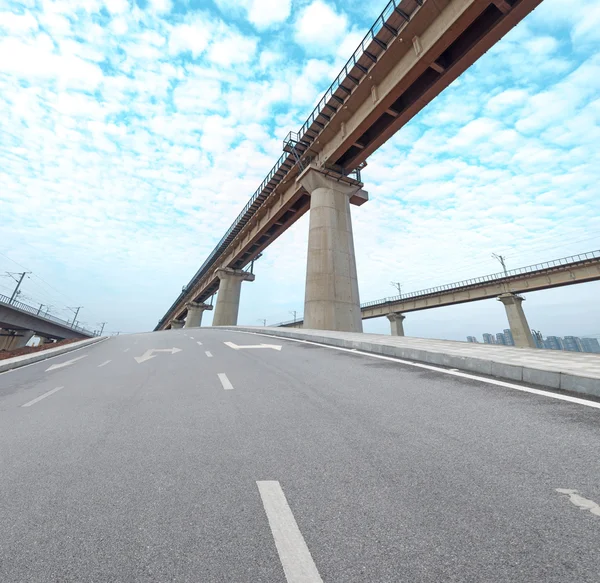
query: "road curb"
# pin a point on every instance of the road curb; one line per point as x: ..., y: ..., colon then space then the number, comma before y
x: 553, y: 379
x: 19, y: 361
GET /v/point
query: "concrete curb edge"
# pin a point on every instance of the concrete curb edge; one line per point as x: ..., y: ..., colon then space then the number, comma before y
x: 19, y: 361
x: 579, y: 384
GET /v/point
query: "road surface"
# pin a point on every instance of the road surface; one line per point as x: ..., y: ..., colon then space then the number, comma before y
x: 299, y: 463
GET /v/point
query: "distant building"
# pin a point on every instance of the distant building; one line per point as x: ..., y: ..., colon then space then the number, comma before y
x: 538, y: 338
x: 489, y: 339
x: 590, y: 345
x: 471, y: 339
x: 572, y: 344
x: 500, y: 338
x: 553, y: 343
x: 508, y: 337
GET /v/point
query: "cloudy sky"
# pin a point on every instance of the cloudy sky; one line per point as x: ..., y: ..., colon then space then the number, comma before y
x: 132, y: 132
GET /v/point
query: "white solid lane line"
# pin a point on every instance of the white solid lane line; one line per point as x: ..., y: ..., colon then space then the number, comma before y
x: 294, y: 555
x: 104, y: 363
x: 225, y: 381
x: 42, y: 397
x: 208, y: 353
x: 451, y: 372
x: 199, y: 343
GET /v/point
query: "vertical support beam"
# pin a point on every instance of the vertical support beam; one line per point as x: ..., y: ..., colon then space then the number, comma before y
x: 176, y: 324
x: 194, y: 314
x: 331, y: 300
x: 396, y: 323
x: 517, y: 321
x: 228, y: 298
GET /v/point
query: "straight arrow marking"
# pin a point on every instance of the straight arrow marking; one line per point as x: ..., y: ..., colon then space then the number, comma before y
x: 66, y: 363
x: 237, y: 347
x: 151, y: 353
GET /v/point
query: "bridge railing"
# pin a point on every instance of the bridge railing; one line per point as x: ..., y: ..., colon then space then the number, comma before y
x: 246, y: 213
x: 36, y: 312
x: 573, y: 259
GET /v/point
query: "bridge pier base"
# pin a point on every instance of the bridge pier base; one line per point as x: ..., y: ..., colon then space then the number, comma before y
x: 517, y: 321
x: 331, y: 299
x: 396, y: 323
x: 176, y: 324
x: 228, y: 298
x: 194, y: 314
x: 13, y: 339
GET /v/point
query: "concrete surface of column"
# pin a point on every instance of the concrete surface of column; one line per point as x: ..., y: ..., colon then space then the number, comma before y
x: 396, y: 325
x: 517, y: 321
x: 176, y: 324
x: 331, y: 299
x: 6, y: 339
x: 194, y: 314
x: 228, y: 298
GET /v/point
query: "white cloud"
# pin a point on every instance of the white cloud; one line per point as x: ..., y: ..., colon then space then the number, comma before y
x: 319, y: 28
x: 193, y: 37
x: 265, y: 13
x: 160, y: 6
x: 232, y: 49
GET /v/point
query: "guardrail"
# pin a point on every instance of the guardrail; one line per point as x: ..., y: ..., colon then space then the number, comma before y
x: 487, y: 278
x: 247, y: 212
x: 36, y: 312
x: 564, y: 261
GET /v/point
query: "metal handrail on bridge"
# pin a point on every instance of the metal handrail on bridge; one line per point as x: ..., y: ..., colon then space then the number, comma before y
x: 36, y: 312
x: 247, y: 212
x: 486, y: 278
x: 571, y: 260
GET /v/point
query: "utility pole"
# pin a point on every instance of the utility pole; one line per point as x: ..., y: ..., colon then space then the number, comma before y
x: 19, y: 281
x: 398, y: 286
x: 293, y: 312
x: 101, y: 329
x: 76, y: 310
x: 263, y: 321
x: 40, y: 309
x: 501, y: 258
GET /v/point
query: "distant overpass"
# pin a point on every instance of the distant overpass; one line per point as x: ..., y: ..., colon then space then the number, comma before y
x: 559, y: 272
x: 415, y: 49
x: 18, y: 322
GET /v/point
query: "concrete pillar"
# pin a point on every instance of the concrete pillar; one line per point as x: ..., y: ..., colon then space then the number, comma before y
x: 396, y: 319
x: 194, y: 314
x: 228, y: 298
x: 6, y: 339
x: 517, y: 320
x: 331, y: 300
x: 176, y: 324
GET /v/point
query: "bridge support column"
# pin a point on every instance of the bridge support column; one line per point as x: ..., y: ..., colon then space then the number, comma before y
x: 194, y: 314
x: 176, y: 324
x: 517, y: 320
x: 396, y: 323
x: 331, y: 299
x: 228, y: 298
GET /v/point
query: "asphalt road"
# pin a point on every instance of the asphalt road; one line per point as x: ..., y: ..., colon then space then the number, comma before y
x: 331, y: 465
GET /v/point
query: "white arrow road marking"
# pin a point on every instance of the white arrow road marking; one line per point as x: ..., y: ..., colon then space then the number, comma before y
x: 225, y: 381
x: 580, y: 501
x: 150, y: 353
x: 294, y: 555
x: 104, y: 363
x: 42, y: 397
x: 66, y: 363
x: 236, y: 347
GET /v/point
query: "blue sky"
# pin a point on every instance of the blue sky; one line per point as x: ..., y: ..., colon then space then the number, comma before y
x: 132, y: 134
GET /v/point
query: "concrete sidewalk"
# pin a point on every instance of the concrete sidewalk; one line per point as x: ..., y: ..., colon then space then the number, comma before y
x: 567, y: 371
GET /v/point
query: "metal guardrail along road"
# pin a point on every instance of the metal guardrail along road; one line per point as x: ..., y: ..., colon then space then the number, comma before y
x: 36, y: 312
